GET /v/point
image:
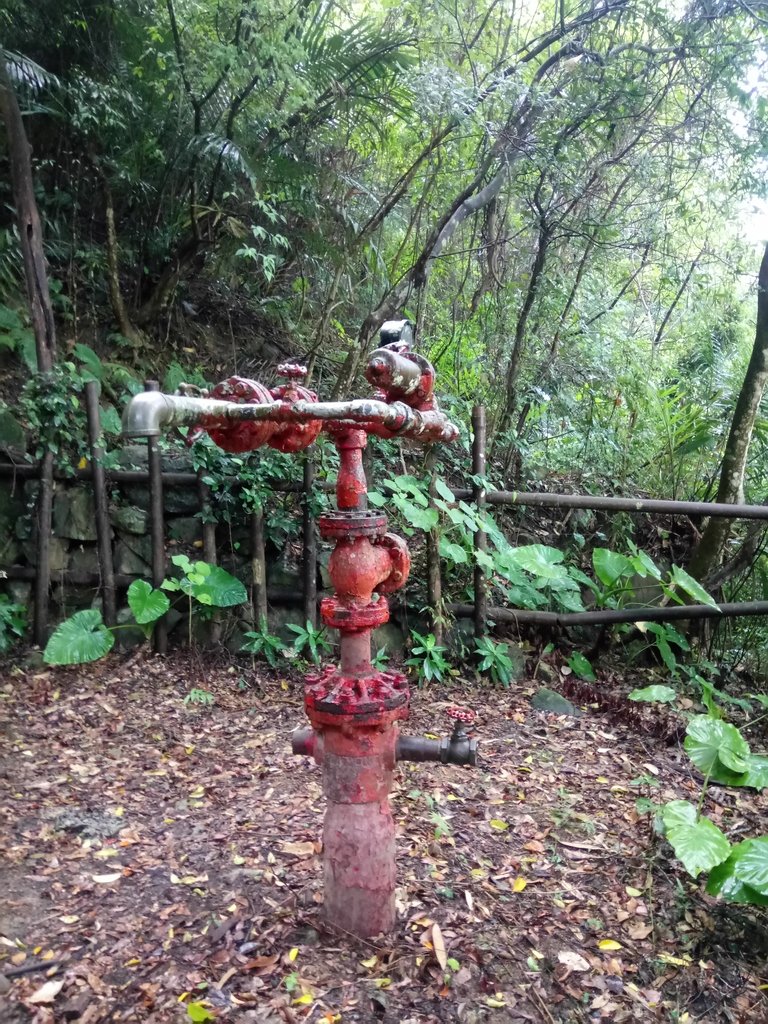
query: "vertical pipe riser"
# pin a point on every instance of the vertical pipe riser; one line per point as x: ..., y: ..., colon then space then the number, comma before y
x: 359, y: 831
x: 359, y: 867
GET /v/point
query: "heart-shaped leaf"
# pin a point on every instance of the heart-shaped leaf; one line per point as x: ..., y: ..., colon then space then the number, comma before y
x: 744, y: 875
x: 697, y: 842
x: 691, y: 586
x: 539, y: 560
x: 220, y: 589
x: 146, y: 603
x: 81, y: 638
x: 656, y: 693
x: 610, y: 566
x: 718, y: 749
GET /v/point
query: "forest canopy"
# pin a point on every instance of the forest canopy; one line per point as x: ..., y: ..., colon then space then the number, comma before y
x: 555, y: 193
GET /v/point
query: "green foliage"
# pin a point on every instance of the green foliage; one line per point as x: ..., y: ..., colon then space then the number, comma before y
x: 202, y: 697
x: 198, y: 1013
x: 663, y: 636
x: 723, y: 755
x: 13, y: 620
x: 84, y: 637
x: 15, y: 337
x: 313, y: 640
x: 697, y: 842
x: 655, y: 694
x: 737, y: 873
x: 495, y: 660
x: 743, y: 876
x: 81, y: 638
x: 209, y: 585
x: 410, y: 497
x: 146, y: 603
x: 582, y: 666
x: 263, y: 644
x: 53, y: 410
x: 428, y: 658
x: 242, y: 484
x: 380, y: 659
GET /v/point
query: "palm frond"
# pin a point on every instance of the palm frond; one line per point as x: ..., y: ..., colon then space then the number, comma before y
x: 360, y: 64
x: 29, y: 79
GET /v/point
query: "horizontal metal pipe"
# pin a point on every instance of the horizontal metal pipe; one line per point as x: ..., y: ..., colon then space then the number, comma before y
x: 586, y: 501
x: 416, y: 748
x: 446, y: 750
x: 615, y: 615
x: 141, y: 476
x: 149, y: 413
x: 84, y: 578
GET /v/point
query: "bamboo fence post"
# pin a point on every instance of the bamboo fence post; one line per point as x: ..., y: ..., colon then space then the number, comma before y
x: 434, y: 580
x: 481, y: 538
x: 209, y: 545
x: 157, y: 530
x: 103, y: 528
x: 309, y: 556
x: 43, y: 575
x: 258, y: 569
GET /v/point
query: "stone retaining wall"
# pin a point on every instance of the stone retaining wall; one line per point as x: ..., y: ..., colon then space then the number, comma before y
x: 74, y: 548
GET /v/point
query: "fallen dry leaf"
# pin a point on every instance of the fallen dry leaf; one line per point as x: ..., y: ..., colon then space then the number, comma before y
x: 298, y: 849
x: 438, y: 944
x: 47, y: 992
x: 573, y: 961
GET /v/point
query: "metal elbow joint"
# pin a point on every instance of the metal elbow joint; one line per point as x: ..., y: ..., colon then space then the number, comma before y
x: 147, y: 414
x: 307, y: 742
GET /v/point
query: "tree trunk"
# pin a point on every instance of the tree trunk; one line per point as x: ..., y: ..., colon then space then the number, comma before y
x: 113, y: 276
x: 36, y: 275
x: 30, y: 229
x: 710, y: 547
x: 513, y: 370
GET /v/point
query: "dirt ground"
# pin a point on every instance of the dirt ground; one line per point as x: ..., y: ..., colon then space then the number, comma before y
x: 162, y: 864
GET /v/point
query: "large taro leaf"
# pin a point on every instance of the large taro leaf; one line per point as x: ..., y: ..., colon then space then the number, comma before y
x: 610, y: 566
x: 743, y: 877
x: 718, y: 749
x: 697, y: 842
x: 539, y: 560
x: 220, y: 589
x: 146, y: 603
x: 691, y: 586
x: 81, y: 638
x: 655, y: 693
x: 757, y: 771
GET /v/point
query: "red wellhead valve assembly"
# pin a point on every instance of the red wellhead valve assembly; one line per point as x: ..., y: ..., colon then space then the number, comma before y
x: 353, y: 708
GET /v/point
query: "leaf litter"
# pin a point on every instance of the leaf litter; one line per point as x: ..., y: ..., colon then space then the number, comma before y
x: 163, y: 865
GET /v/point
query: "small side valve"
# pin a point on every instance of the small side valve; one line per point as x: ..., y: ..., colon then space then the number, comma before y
x: 461, y: 749
x: 458, y: 748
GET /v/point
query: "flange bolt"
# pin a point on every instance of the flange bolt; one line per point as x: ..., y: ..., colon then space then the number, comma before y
x: 293, y: 371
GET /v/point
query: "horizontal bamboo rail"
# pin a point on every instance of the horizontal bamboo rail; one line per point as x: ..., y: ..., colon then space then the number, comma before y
x: 605, y: 616
x: 597, y: 503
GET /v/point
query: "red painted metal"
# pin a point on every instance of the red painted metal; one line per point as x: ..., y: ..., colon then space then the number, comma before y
x: 353, y: 708
x: 296, y: 436
x: 240, y: 436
